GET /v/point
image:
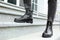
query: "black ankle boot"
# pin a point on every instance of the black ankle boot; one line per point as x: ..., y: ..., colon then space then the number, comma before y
x: 51, y: 13
x: 27, y: 18
x: 28, y: 15
x: 48, y: 31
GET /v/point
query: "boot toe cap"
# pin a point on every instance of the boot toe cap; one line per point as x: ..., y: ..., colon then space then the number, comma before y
x: 45, y: 35
x: 16, y: 20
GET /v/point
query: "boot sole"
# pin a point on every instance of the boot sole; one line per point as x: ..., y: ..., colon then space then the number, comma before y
x: 25, y: 21
x: 47, y: 36
x: 29, y: 20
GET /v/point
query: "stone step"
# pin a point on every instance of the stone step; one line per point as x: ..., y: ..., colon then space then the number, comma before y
x: 13, y: 24
x: 27, y: 33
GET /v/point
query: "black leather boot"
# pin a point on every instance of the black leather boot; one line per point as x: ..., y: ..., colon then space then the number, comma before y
x: 27, y: 17
x: 48, y: 31
x: 51, y: 13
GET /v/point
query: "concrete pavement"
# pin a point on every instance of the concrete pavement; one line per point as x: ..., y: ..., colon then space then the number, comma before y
x: 27, y: 33
x: 37, y: 36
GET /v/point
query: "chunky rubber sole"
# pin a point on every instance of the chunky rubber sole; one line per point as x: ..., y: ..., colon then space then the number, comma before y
x: 29, y: 20
x: 23, y: 21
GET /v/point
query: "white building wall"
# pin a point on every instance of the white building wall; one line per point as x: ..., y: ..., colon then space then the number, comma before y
x: 58, y: 5
x: 42, y: 6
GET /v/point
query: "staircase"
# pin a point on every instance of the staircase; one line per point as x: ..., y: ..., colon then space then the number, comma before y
x: 9, y: 30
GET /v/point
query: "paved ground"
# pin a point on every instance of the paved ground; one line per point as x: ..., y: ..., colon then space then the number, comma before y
x: 37, y: 36
x: 27, y: 33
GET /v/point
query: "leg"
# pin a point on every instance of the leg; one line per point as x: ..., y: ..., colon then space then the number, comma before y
x: 27, y: 4
x: 51, y: 13
x: 27, y: 17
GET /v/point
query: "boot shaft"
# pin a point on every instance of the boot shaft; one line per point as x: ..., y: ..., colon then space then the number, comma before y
x: 49, y: 25
x: 29, y: 13
x: 28, y: 8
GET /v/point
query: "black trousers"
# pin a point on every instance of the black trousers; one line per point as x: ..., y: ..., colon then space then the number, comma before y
x: 52, y: 5
x: 27, y: 3
x: 51, y: 8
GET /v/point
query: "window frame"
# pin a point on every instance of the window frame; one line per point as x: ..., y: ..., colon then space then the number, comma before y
x: 35, y: 5
x: 17, y: 2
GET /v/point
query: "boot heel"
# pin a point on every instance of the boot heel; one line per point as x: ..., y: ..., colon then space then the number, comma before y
x: 29, y: 21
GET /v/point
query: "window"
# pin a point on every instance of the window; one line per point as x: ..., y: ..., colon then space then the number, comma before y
x: 35, y: 1
x: 34, y: 5
x: 15, y: 2
x: 12, y: 1
x: 21, y: 3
